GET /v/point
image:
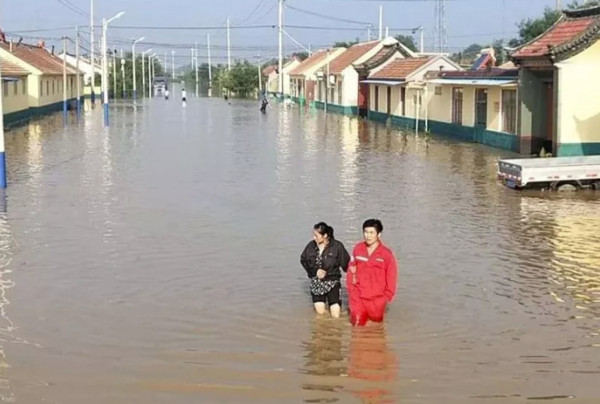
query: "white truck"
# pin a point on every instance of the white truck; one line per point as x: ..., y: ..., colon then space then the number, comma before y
x: 554, y: 173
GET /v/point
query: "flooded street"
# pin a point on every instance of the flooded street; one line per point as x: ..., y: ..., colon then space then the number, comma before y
x: 158, y: 262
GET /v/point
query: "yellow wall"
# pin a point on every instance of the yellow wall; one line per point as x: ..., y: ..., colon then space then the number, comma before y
x: 578, y: 105
x: 39, y: 96
x: 10, y: 101
x: 440, y: 106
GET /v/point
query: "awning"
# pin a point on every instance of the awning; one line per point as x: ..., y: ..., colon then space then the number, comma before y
x: 383, y: 82
x: 475, y: 82
x: 9, y: 79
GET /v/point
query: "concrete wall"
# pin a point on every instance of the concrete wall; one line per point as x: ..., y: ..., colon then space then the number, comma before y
x: 42, y: 94
x: 350, y: 87
x: 12, y: 102
x: 578, y: 103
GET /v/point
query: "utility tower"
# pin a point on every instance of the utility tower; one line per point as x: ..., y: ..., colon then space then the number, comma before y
x: 440, y: 38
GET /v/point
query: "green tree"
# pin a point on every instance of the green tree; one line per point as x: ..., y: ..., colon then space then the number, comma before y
x: 242, y: 79
x: 408, y: 41
x: 341, y: 44
x: 128, y: 66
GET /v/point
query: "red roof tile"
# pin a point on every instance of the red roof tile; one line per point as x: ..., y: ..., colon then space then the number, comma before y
x: 400, y: 69
x: 316, y: 58
x: 269, y: 69
x: 565, y: 30
x: 353, y: 53
x: 38, y: 57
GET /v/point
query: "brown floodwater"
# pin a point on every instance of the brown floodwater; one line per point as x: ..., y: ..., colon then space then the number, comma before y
x: 158, y: 262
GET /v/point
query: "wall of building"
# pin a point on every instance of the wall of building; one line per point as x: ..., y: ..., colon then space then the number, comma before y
x: 578, y: 103
x: 532, y: 111
x: 350, y: 87
x: 15, y: 102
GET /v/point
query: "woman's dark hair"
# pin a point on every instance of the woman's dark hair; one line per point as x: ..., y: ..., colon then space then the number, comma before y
x: 375, y: 223
x: 324, y: 229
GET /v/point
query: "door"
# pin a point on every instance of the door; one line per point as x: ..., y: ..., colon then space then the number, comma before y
x: 389, y: 100
x: 403, y: 100
x: 363, y: 98
x: 481, y: 107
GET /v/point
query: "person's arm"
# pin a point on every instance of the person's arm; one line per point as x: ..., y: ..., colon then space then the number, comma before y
x: 343, y: 258
x: 391, y: 277
x: 305, y: 262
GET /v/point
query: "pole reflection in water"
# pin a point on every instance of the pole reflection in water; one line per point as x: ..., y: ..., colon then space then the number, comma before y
x: 6, y: 324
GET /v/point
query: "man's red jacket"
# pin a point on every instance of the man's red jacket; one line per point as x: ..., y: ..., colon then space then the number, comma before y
x: 375, y: 275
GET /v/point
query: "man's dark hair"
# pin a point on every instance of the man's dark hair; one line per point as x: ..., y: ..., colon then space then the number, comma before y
x: 376, y: 223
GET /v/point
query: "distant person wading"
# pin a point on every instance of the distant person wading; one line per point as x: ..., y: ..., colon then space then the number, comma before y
x: 324, y: 258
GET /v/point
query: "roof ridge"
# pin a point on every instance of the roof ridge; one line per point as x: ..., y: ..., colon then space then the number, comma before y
x: 583, y: 12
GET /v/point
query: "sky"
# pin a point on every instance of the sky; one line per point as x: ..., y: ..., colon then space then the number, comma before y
x: 467, y: 22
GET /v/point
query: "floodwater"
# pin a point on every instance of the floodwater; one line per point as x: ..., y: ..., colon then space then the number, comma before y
x: 158, y: 262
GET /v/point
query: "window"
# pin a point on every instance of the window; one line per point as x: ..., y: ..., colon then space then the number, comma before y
x: 319, y: 92
x: 340, y: 95
x: 438, y: 90
x: 389, y: 100
x: 47, y: 87
x: 5, y: 89
x: 16, y: 87
x: 457, y: 106
x: 377, y: 98
x: 25, y: 86
x: 509, y: 111
x: 481, y: 107
x: 71, y: 83
x: 53, y: 86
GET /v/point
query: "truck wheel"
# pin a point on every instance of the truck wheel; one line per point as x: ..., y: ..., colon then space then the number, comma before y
x: 567, y: 188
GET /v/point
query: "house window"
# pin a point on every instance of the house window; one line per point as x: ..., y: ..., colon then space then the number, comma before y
x: 377, y: 98
x: 53, y: 86
x: 47, y: 87
x: 457, y: 106
x: 438, y: 90
x: 319, y: 92
x: 71, y: 81
x: 481, y: 101
x: 16, y: 88
x: 5, y: 89
x: 340, y: 94
x: 509, y: 111
x: 389, y: 100
x: 24, y: 86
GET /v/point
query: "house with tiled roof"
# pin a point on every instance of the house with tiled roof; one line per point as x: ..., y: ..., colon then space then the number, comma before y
x: 45, y: 76
x: 344, y: 93
x: 270, y: 74
x: 304, y: 76
x: 559, y: 107
x: 288, y: 67
x: 15, y: 98
x: 478, y: 105
x: 85, y: 67
x: 398, y: 88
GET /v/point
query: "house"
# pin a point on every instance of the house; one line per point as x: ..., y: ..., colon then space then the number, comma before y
x: 271, y: 79
x: 288, y: 67
x: 559, y: 107
x: 304, y: 76
x: 45, y: 79
x: 398, y: 89
x: 85, y: 67
x: 345, y: 93
x: 475, y: 105
x: 15, y: 98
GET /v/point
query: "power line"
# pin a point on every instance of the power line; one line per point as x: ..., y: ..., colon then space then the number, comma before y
x: 73, y: 7
x: 328, y: 17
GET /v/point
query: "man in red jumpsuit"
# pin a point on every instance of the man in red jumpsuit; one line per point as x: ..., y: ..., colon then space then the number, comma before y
x: 371, y: 280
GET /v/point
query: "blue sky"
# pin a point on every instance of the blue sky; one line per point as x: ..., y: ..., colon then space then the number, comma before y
x: 468, y: 21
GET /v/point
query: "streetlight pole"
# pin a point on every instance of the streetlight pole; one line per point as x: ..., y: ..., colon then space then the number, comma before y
x: 123, y: 74
x: 105, y: 23
x: 197, y: 79
x: 133, y: 61
x: 93, y: 82
x: 144, y: 69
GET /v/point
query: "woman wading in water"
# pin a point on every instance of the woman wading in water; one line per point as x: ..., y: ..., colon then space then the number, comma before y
x: 324, y: 258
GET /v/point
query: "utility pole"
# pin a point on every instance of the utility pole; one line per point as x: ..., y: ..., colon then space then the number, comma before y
x: 65, y: 109
x: 78, y: 74
x: 123, y: 74
x: 369, y: 32
x: 387, y: 31
x: 173, y: 64
x: 197, y: 80
x: 93, y: 82
x: 229, y: 46
x: 114, y: 53
x: 280, y: 76
x: 558, y: 5
x: 259, y: 78
x: 380, y: 23
x: 422, y: 29
x: 209, y: 66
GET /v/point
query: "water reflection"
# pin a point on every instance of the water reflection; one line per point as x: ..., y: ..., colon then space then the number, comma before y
x: 6, y: 324
x: 373, y: 363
